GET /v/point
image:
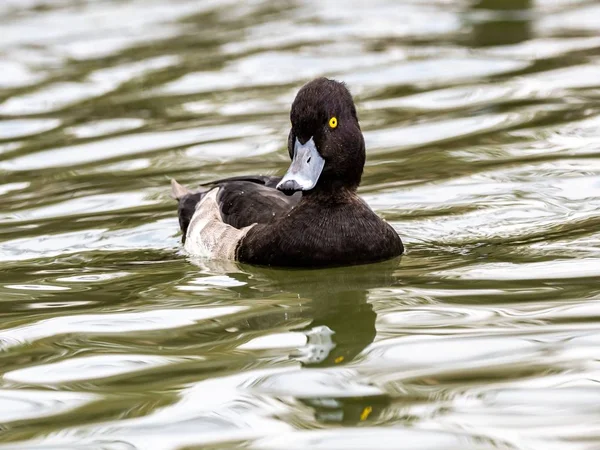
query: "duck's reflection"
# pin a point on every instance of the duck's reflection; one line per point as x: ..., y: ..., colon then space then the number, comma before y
x: 332, y: 308
x: 347, y: 411
x: 343, y: 324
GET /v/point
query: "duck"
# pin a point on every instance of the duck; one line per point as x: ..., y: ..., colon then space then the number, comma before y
x: 312, y: 216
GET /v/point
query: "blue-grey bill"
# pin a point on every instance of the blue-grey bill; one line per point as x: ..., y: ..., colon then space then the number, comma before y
x: 305, y: 170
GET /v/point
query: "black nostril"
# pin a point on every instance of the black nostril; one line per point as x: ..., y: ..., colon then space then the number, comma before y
x: 308, y: 160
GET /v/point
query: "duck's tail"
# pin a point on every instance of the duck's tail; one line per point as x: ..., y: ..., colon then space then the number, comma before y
x: 187, y: 200
x: 177, y: 190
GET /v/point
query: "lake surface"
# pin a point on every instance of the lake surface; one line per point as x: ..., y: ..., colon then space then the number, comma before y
x: 482, y: 122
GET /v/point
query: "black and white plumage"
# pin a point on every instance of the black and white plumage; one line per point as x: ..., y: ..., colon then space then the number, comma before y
x: 215, y: 218
x: 312, y: 217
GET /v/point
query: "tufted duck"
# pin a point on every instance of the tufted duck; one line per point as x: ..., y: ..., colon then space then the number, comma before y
x: 312, y: 217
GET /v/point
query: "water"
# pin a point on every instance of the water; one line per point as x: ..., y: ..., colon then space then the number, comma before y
x: 482, y: 122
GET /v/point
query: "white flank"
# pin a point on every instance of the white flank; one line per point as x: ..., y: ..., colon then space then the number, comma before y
x: 208, y: 236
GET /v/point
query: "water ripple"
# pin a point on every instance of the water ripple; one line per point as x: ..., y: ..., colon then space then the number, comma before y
x: 482, y: 123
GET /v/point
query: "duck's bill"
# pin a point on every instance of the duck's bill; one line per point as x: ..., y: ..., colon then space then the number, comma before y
x: 305, y: 170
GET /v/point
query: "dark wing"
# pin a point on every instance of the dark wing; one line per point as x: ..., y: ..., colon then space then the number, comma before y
x: 266, y: 180
x: 243, y: 203
x: 242, y: 200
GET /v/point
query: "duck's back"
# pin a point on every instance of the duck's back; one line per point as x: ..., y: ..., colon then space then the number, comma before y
x: 241, y: 201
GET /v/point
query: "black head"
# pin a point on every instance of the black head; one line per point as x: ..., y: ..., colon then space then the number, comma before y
x: 325, y: 143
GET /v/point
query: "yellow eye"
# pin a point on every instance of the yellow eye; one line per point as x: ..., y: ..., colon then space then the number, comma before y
x: 333, y: 122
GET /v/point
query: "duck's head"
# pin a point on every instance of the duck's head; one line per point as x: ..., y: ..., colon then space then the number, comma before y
x: 325, y: 143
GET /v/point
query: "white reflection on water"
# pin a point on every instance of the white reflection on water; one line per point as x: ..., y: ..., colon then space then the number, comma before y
x: 115, y: 322
x: 23, y: 404
x: 86, y: 368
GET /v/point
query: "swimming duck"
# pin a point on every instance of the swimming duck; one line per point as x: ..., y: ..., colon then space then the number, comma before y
x: 310, y: 217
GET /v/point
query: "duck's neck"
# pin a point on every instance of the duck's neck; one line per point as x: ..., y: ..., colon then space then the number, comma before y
x: 330, y: 193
